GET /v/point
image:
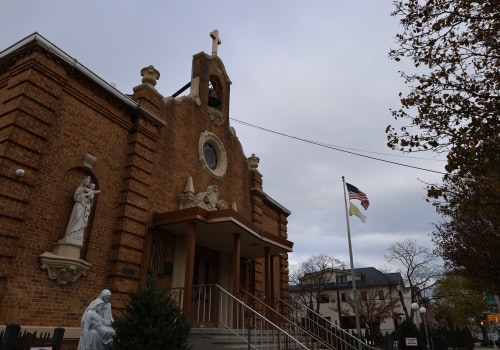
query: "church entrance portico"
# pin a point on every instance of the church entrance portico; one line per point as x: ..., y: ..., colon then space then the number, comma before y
x: 214, y: 243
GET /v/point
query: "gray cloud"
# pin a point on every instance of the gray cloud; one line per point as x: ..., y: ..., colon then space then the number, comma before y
x: 317, y: 70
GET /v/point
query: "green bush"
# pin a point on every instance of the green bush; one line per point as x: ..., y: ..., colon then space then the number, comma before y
x: 458, y: 338
x: 407, y: 329
x: 151, y: 320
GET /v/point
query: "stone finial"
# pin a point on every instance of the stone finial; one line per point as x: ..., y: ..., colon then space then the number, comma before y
x: 253, y: 162
x: 150, y: 75
x: 189, y: 188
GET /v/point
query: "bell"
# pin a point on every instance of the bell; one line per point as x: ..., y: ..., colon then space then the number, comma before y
x: 213, y: 99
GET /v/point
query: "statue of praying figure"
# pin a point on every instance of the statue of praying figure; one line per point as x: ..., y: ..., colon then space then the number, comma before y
x: 97, y: 324
x: 84, y: 198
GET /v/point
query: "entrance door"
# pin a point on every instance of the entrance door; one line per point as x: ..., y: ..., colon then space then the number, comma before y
x: 205, y: 276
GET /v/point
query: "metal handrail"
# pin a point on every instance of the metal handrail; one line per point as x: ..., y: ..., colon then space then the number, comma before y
x: 312, y: 341
x: 317, y: 324
x: 214, y: 306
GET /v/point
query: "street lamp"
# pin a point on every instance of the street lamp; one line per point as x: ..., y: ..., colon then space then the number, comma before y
x: 422, y: 311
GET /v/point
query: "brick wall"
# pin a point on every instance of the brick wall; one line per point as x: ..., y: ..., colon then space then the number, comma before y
x: 52, y: 116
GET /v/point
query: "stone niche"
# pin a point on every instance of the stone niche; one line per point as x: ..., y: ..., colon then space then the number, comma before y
x: 63, y: 264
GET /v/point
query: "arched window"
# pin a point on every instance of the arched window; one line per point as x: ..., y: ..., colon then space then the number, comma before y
x: 214, y: 93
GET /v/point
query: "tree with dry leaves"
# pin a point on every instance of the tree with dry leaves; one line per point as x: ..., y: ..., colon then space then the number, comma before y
x: 312, y: 276
x: 372, y: 310
x: 453, y: 107
x: 419, y: 267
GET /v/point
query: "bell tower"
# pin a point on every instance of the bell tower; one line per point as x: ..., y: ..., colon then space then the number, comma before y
x: 211, y: 83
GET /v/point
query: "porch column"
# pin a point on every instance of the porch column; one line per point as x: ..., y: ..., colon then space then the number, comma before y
x: 268, y: 276
x: 146, y: 256
x: 188, y: 277
x: 236, y: 276
x: 236, y: 263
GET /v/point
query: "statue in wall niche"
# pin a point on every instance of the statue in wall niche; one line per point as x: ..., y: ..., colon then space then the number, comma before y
x: 84, y: 198
x: 209, y: 200
x: 97, y: 324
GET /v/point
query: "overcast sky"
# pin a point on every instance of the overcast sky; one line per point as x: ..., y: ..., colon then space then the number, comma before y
x: 315, y: 70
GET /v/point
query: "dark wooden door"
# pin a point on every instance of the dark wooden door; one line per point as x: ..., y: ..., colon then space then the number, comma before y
x: 205, y: 276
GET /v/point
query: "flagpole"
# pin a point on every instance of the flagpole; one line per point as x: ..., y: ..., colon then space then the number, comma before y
x: 356, y: 299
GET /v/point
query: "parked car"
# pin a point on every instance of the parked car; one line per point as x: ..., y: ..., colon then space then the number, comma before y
x: 477, y: 337
x: 493, y: 337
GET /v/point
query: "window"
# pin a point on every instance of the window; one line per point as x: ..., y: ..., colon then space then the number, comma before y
x: 245, y: 274
x: 319, y: 281
x: 342, y: 279
x: 213, y: 154
x: 324, y: 298
x: 343, y: 297
x: 214, y: 93
x: 381, y: 295
x: 210, y: 155
x: 161, y: 257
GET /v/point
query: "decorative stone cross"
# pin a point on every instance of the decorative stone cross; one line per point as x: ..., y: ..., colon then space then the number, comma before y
x: 215, y: 41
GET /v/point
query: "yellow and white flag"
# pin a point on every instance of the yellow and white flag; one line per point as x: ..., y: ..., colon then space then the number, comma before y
x: 353, y: 210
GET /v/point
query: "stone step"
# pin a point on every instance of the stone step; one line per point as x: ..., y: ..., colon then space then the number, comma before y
x: 224, y: 339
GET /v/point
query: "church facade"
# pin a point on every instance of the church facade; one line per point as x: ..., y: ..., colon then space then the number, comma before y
x: 100, y: 187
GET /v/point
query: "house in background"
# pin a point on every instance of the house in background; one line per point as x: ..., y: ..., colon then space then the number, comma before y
x: 330, y: 292
x: 153, y: 182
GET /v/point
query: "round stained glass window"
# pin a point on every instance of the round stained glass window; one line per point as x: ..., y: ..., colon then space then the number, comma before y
x: 210, y: 155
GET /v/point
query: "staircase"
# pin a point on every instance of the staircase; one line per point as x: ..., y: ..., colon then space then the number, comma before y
x: 222, y: 321
x: 225, y: 339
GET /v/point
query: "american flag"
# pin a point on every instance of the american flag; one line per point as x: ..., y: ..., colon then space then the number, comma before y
x: 355, y: 193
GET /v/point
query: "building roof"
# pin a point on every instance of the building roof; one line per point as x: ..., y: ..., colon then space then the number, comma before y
x: 37, y: 39
x: 369, y: 277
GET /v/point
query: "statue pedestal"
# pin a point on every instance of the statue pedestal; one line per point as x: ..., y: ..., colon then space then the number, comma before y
x: 67, y: 250
x: 63, y: 264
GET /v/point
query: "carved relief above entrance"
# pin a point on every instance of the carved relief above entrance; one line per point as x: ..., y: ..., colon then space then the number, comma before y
x: 208, y: 200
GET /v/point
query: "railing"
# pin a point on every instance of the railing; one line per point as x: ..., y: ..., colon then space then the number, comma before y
x: 213, y: 306
x: 296, y: 329
x: 317, y: 325
x: 12, y: 338
x: 286, y: 326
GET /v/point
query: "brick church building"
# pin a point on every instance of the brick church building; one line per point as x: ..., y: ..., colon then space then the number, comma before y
x: 98, y: 187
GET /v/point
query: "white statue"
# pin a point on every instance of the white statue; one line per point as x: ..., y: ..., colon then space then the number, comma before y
x: 97, y: 324
x: 84, y: 198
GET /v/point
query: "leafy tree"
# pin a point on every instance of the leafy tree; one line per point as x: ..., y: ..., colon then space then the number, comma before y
x: 452, y: 107
x: 468, y: 240
x: 456, y: 303
x: 419, y: 268
x: 151, y: 320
